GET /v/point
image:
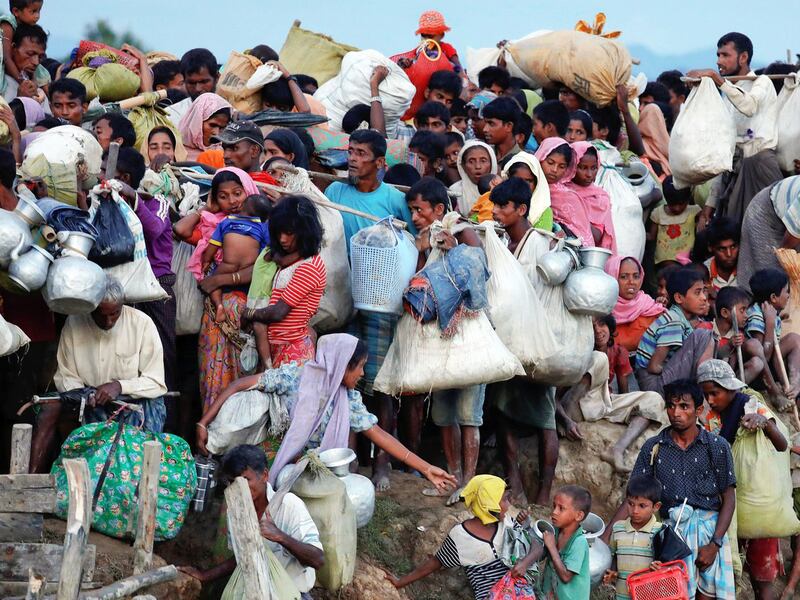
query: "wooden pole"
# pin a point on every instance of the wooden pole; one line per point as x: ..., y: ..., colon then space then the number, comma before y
x: 130, y: 585
x: 784, y: 376
x: 735, y: 78
x: 148, y: 501
x: 79, y: 522
x: 248, y: 546
x: 739, y: 358
x: 21, y: 436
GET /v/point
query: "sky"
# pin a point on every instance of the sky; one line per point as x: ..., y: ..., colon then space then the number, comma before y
x: 671, y: 29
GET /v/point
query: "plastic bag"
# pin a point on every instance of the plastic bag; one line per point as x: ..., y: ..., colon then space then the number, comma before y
x: 789, y: 123
x: 232, y: 84
x: 420, y: 360
x: 313, y: 53
x: 351, y: 87
x: 114, y: 244
x: 590, y: 65
x: 763, y: 486
x: 188, y: 298
x: 116, y: 512
x: 427, y: 59
x: 12, y: 338
x: 703, y: 138
x: 336, y: 305
x: 136, y: 277
x: 508, y: 289
x: 512, y: 588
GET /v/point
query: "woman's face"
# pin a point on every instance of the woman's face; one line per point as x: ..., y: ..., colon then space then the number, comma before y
x: 477, y: 163
x: 601, y: 334
x: 271, y: 149
x: 354, y: 374
x: 523, y: 172
x: 554, y: 167
x: 288, y: 242
x: 213, y: 126
x: 230, y: 197
x: 576, y: 132
x: 160, y: 143
x: 586, y: 170
x: 629, y: 279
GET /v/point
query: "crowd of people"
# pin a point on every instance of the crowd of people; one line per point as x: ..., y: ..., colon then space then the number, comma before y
x: 694, y: 347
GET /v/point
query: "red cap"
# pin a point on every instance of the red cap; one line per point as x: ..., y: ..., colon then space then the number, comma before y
x: 432, y: 23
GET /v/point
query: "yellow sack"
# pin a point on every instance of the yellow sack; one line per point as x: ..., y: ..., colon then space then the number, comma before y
x: 590, y: 65
x: 313, y: 54
x: 146, y: 118
x: 110, y: 82
x: 763, y: 486
x: 239, y: 68
x: 86, y: 76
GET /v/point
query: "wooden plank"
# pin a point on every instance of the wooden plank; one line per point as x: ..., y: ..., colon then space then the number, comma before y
x: 248, y: 546
x: 79, y: 522
x: 46, y: 559
x: 21, y: 527
x: 27, y: 481
x: 148, y: 501
x: 130, y: 585
x: 21, y: 436
x: 18, y: 589
x: 39, y: 500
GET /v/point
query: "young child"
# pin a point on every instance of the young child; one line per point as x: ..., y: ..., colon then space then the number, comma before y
x: 672, y: 347
x: 433, y: 27
x: 550, y: 119
x: 482, y: 210
x: 241, y: 237
x: 458, y: 117
x: 455, y: 141
x: 631, y: 541
x: 735, y: 301
x: 566, y: 571
x: 663, y: 275
x: 723, y: 243
x: 26, y: 12
x: 770, y: 289
x: 595, y: 198
x: 673, y: 225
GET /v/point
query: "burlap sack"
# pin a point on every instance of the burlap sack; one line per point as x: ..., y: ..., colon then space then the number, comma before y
x: 231, y: 86
x: 312, y: 53
x: 589, y: 64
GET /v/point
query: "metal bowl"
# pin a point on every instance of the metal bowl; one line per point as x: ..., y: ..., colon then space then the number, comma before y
x: 541, y: 526
x: 29, y: 212
x: 338, y: 460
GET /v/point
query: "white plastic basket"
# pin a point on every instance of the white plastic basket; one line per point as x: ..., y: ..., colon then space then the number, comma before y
x: 380, y: 275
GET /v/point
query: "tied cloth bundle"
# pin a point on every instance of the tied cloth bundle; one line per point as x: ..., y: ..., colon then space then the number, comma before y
x: 482, y: 496
x: 597, y: 27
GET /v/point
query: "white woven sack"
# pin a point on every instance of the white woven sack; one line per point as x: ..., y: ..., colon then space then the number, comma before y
x: 789, y: 124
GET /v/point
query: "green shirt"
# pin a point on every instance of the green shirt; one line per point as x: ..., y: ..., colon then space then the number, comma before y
x: 575, y: 557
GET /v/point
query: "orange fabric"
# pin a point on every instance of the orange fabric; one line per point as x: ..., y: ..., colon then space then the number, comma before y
x: 630, y: 334
x: 213, y: 158
x: 431, y: 22
x: 482, y: 209
x: 317, y: 107
x: 655, y: 136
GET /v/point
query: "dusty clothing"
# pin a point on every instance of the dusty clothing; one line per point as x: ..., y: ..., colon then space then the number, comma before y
x: 524, y: 402
x: 763, y: 228
x: 763, y: 558
x: 754, y: 106
x: 681, y: 365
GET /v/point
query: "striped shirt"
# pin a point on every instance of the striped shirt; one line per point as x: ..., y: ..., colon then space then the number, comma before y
x: 755, y: 323
x: 670, y: 329
x: 301, y: 286
x: 633, y: 550
x: 480, y: 558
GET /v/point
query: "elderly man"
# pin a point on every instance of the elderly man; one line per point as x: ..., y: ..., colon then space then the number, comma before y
x: 289, y: 533
x: 115, y: 350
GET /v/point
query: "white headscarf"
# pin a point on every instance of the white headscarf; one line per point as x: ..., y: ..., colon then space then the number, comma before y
x: 540, y: 199
x: 468, y: 191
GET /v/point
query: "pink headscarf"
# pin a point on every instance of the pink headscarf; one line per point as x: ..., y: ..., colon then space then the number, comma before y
x: 247, y: 182
x: 596, y: 201
x: 191, y: 125
x: 320, y: 387
x: 642, y: 305
x: 568, y: 207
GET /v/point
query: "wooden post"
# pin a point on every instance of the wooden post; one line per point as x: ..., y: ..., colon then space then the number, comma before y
x: 248, y: 546
x: 35, y: 586
x: 131, y: 585
x: 79, y: 522
x: 148, y: 501
x: 21, y: 436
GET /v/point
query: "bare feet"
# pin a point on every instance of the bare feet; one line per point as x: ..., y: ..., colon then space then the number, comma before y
x: 490, y: 442
x: 780, y: 402
x: 788, y: 593
x: 219, y: 317
x: 455, y: 497
x: 571, y: 430
x: 616, y: 458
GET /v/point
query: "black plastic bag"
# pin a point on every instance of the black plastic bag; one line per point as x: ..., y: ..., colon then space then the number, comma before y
x: 115, y: 244
x: 668, y: 545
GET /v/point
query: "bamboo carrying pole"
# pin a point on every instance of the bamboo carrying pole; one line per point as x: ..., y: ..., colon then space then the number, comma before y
x: 148, y: 499
x: 79, y: 521
x: 735, y: 78
x: 784, y: 376
x: 248, y: 546
x: 740, y: 360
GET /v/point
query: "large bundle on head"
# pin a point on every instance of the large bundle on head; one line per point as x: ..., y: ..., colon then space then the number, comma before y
x: 64, y: 157
x: 233, y: 83
x: 106, y: 75
x: 703, y: 138
x: 351, y: 87
x: 313, y: 53
x: 590, y: 65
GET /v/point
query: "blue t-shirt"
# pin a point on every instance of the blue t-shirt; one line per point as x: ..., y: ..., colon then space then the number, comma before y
x: 385, y: 201
x: 250, y: 226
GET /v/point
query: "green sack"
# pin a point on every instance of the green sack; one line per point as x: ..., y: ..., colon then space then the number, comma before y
x: 146, y: 118
x: 110, y: 82
x: 116, y: 511
x: 86, y: 76
x: 313, y: 53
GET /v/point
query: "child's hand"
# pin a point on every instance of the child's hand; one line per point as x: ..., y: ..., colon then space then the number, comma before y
x: 518, y: 570
x: 754, y: 421
x: 737, y: 340
x: 610, y: 577
x: 549, y: 541
x: 655, y: 565
x: 770, y: 314
x: 662, y: 300
x: 391, y: 578
x: 523, y: 516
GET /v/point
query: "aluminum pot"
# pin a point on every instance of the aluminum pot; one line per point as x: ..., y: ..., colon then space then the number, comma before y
x: 360, y: 489
x: 74, y: 286
x: 29, y: 212
x: 599, y: 553
x: 76, y: 243
x: 555, y: 266
x: 541, y: 526
x: 590, y: 290
x: 29, y: 271
x: 338, y: 460
x: 638, y: 175
x: 15, y: 237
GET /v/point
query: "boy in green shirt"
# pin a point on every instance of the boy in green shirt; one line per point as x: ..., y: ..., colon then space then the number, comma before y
x: 566, y: 572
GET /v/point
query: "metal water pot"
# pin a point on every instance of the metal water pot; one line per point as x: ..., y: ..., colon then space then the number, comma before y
x: 360, y: 489
x: 75, y: 243
x: 75, y: 285
x: 15, y: 230
x: 29, y: 271
x: 599, y: 552
x: 555, y: 266
x: 638, y: 175
x: 590, y: 290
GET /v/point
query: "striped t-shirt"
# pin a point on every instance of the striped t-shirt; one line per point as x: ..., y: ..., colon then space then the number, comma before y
x: 301, y: 286
x: 480, y: 558
x: 633, y: 550
x: 669, y: 329
x: 755, y: 323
